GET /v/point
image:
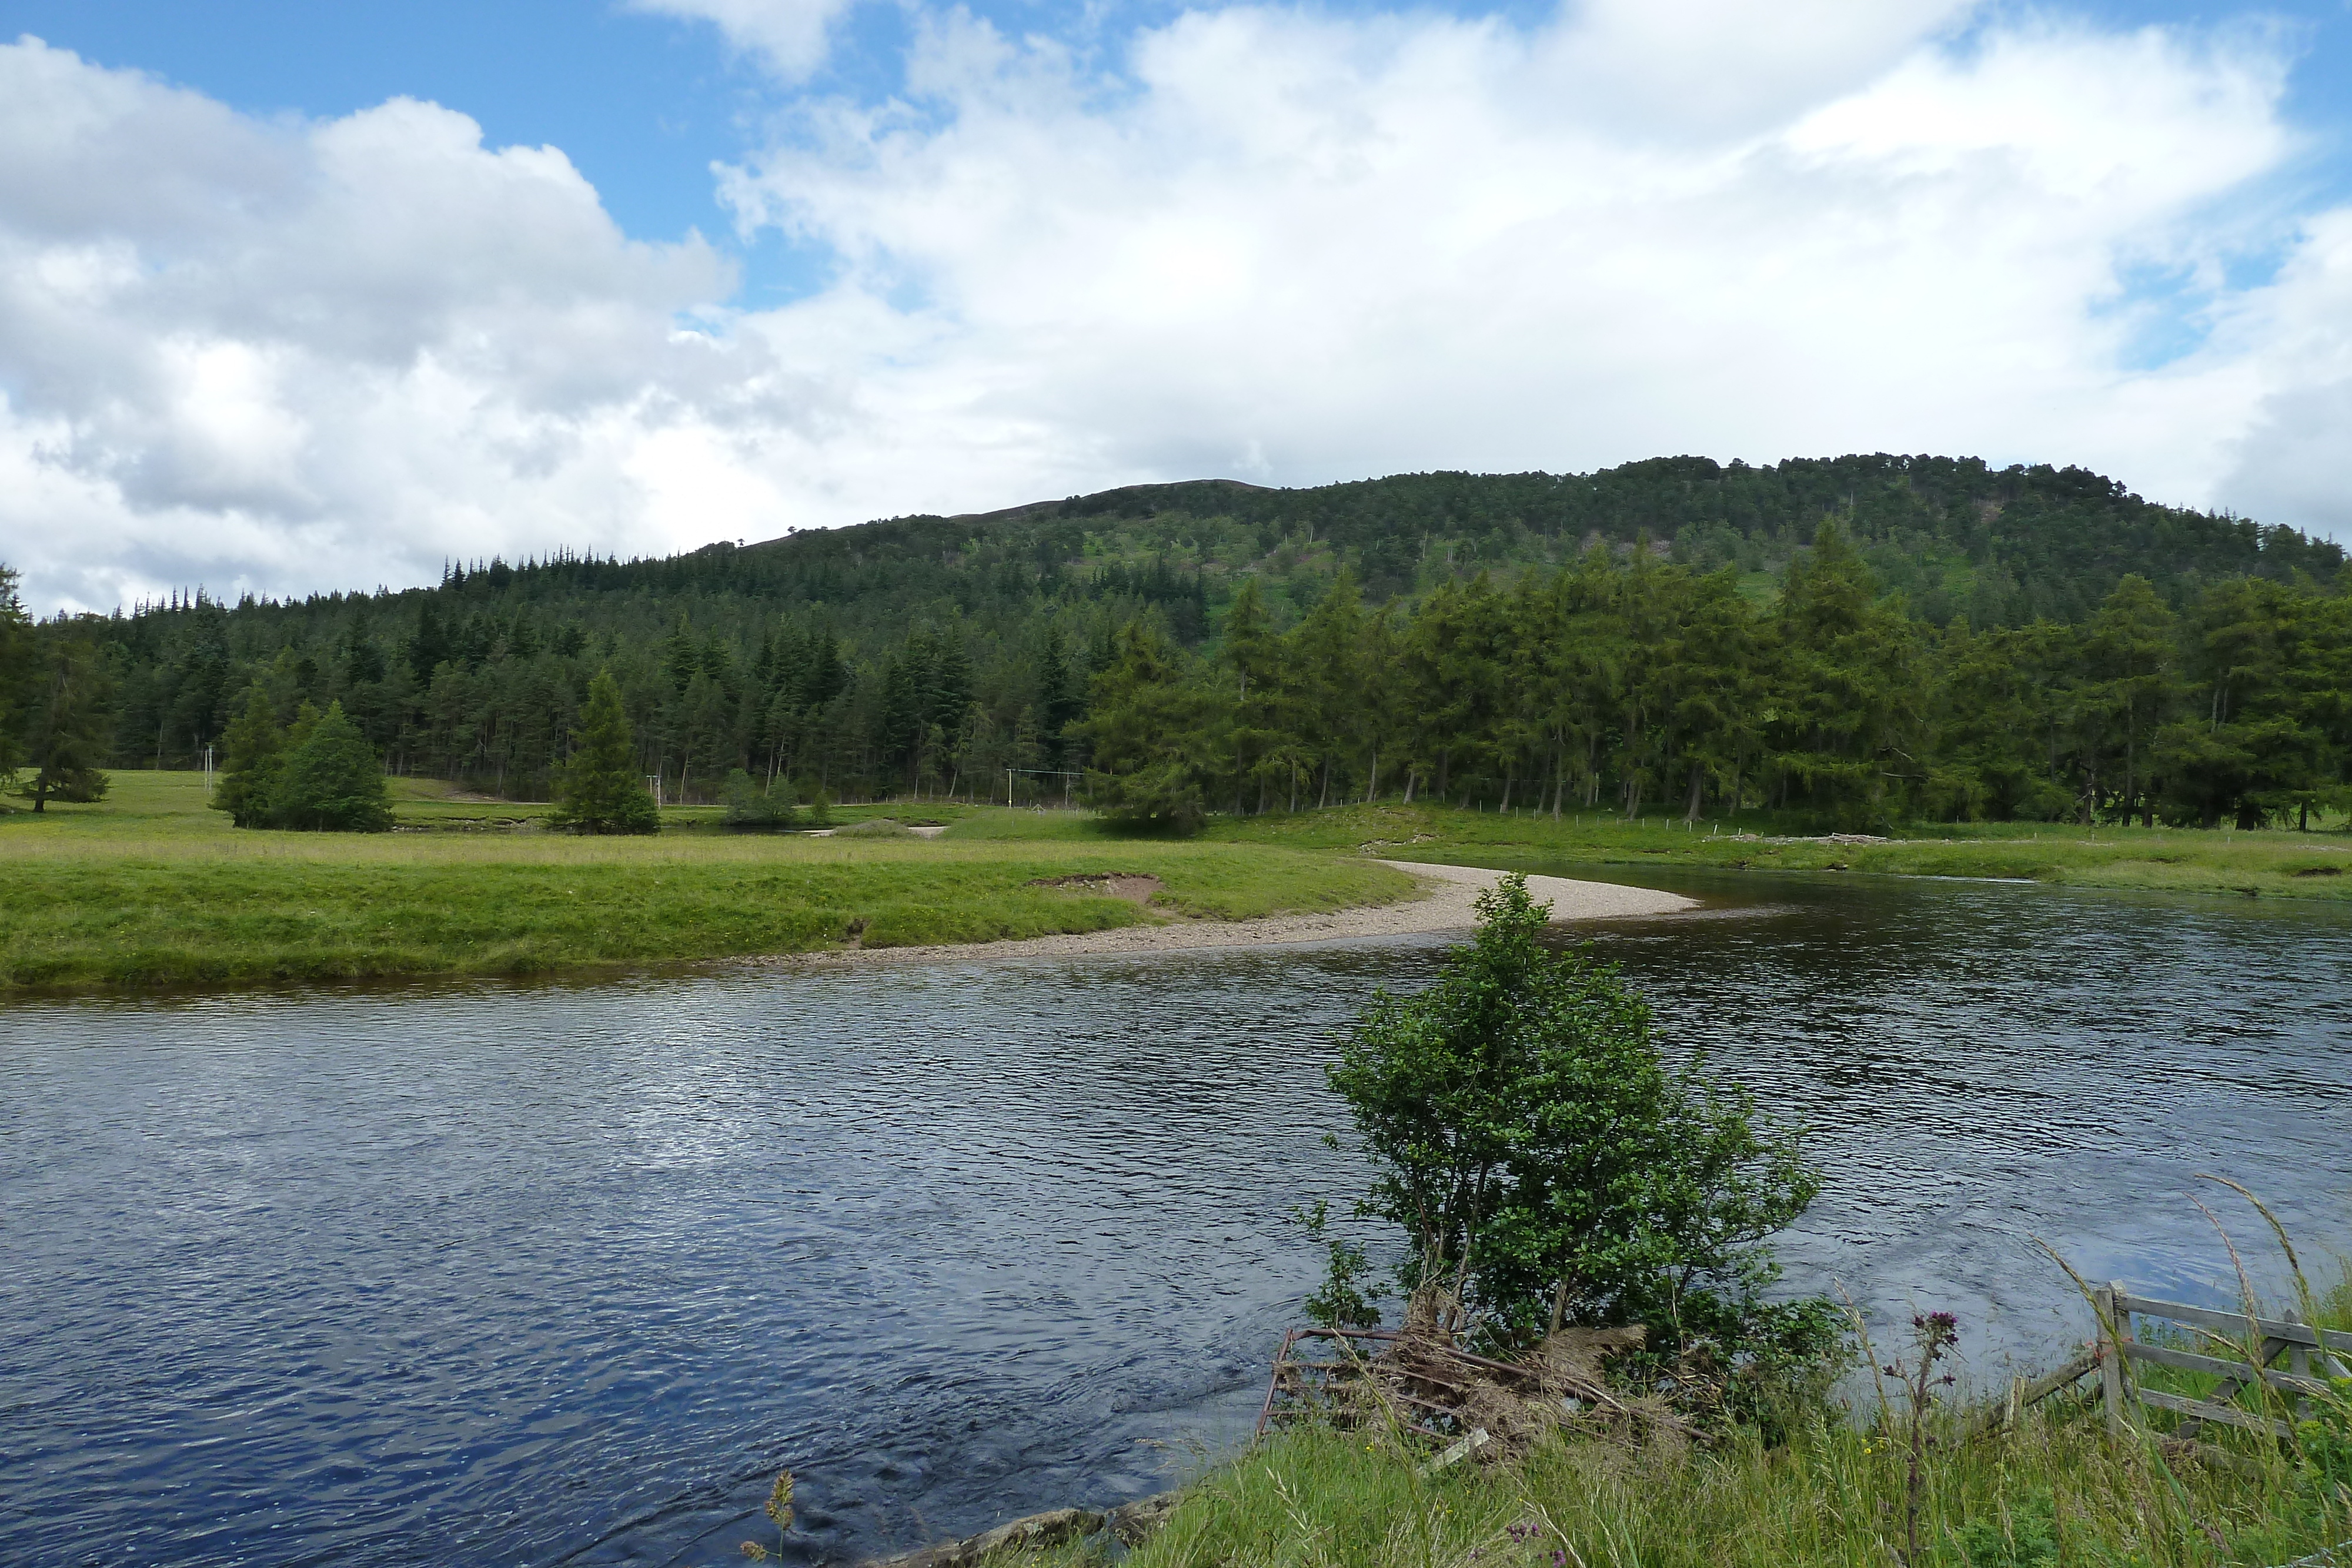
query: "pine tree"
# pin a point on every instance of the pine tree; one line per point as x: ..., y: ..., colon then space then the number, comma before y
x: 73, y: 727
x: 601, y: 792
x: 254, y: 751
x: 1149, y: 735
x: 332, y: 781
x: 17, y: 675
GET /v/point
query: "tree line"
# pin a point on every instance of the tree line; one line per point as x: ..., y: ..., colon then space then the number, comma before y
x: 1846, y: 640
x: 1633, y: 685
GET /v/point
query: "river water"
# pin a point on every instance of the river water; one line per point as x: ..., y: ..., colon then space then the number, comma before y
x: 491, y: 1275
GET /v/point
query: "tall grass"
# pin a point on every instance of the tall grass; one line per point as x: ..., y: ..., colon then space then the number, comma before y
x: 2052, y: 1488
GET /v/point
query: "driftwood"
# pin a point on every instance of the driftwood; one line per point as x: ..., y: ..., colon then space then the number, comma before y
x: 1131, y: 1523
x: 1417, y: 1380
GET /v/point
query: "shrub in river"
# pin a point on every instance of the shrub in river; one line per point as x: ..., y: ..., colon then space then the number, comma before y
x: 1549, y: 1168
x: 600, y: 791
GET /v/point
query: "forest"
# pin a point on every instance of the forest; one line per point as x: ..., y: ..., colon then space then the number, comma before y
x: 1856, y: 642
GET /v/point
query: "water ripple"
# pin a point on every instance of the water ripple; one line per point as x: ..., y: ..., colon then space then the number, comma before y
x: 561, y: 1275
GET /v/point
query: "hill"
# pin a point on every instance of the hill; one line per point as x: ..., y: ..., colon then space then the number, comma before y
x: 920, y: 652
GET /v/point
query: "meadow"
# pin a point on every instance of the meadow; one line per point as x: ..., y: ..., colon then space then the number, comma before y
x: 2269, y: 864
x: 150, y: 888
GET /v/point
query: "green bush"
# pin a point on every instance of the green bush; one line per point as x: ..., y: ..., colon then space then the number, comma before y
x: 332, y: 781
x: 1548, y: 1168
x: 750, y: 806
x: 319, y: 776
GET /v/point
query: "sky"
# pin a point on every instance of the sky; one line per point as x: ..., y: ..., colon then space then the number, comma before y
x: 297, y: 299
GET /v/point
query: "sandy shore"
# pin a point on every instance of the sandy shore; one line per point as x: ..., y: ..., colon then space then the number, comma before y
x: 1443, y: 905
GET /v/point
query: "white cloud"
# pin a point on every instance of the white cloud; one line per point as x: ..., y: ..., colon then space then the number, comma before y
x: 1425, y: 242
x: 303, y: 355
x: 791, y: 37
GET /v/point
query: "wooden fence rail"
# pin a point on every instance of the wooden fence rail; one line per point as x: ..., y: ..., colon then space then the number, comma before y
x: 2256, y: 1341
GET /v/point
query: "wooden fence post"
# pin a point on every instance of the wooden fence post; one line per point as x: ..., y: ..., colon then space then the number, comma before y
x: 2114, y: 1328
x: 2298, y: 1362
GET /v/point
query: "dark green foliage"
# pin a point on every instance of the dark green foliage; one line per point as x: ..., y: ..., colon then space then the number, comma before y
x: 18, y: 662
x: 601, y: 791
x: 1856, y: 642
x: 1343, y: 1299
x: 748, y: 806
x: 68, y: 729
x: 331, y: 781
x: 253, y: 753
x: 1550, y: 1167
x: 2028, y: 1539
x: 1149, y: 735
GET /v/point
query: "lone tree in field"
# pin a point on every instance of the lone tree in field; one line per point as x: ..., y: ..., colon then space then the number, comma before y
x: 600, y: 791
x: 71, y: 727
x: 331, y: 781
x: 17, y: 673
x: 1550, y: 1168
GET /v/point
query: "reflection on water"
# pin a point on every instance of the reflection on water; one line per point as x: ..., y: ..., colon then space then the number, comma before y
x: 550, y: 1274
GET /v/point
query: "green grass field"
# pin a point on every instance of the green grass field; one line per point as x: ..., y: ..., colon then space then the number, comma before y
x: 150, y: 888
x: 2272, y: 863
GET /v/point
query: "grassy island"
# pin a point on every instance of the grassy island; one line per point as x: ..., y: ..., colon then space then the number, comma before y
x: 150, y: 888
x: 2267, y: 863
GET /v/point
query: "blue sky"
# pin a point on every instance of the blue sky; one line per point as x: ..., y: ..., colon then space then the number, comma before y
x: 826, y: 259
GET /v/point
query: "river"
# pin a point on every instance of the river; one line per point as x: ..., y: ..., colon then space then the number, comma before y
x: 561, y: 1275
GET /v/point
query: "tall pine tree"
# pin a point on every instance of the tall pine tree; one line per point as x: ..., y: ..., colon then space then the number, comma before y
x: 255, y: 750
x: 72, y: 727
x: 601, y: 791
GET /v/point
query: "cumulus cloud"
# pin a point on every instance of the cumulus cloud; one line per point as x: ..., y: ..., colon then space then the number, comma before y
x: 292, y: 355
x: 789, y: 38
x: 1318, y: 246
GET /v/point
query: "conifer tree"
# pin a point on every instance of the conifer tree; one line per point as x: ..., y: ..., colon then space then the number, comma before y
x: 601, y: 791
x: 255, y: 750
x: 72, y: 727
x: 331, y: 781
x: 17, y: 675
x: 1151, y: 744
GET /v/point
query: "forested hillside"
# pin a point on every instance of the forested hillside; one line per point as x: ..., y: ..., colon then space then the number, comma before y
x: 1862, y: 638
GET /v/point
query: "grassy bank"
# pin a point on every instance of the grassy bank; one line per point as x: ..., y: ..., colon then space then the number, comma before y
x: 149, y: 888
x: 2054, y: 1492
x: 2272, y: 863
x: 2052, y: 1489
